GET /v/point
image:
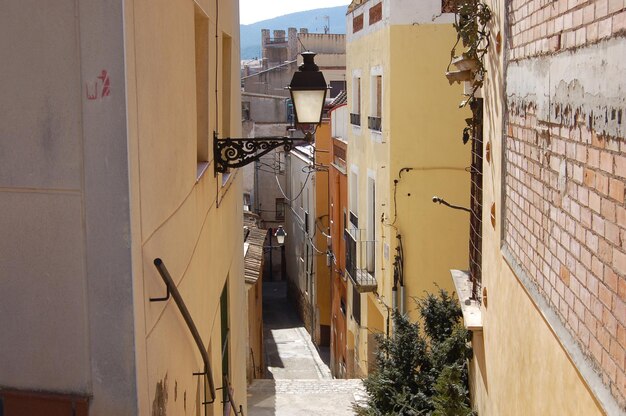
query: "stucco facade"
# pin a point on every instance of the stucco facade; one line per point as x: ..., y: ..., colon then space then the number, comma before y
x: 106, y: 108
x: 338, y: 214
x: 307, y: 227
x: 404, y: 148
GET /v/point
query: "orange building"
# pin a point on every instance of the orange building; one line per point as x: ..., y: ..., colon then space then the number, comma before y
x: 338, y: 209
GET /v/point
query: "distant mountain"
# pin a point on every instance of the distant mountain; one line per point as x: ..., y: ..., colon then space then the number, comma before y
x: 314, y: 20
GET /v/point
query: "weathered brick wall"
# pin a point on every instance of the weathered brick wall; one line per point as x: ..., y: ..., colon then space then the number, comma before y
x: 565, y: 152
x: 546, y: 26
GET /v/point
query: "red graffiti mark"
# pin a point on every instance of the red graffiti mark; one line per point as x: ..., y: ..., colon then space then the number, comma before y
x: 92, y: 91
x: 106, y: 84
x: 93, y: 88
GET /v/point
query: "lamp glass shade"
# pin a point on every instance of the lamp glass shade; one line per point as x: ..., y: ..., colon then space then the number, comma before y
x: 308, y: 105
x: 280, y: 235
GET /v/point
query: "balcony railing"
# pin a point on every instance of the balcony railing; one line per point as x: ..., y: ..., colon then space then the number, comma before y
x: 355, y: 119
x: 360, y: 260
x: 374, y: 123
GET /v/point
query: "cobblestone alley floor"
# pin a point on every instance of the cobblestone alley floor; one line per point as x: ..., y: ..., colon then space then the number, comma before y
x: 298, y: 380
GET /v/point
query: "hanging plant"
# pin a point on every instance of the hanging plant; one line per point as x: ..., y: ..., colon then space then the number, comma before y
x: 470, y: 21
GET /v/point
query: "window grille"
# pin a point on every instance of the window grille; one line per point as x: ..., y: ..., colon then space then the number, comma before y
x: 476, y: 199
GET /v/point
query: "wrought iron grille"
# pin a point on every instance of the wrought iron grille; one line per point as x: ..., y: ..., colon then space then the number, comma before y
x: 360, y: 260
x: 374, y: 123
x: 476, y: 199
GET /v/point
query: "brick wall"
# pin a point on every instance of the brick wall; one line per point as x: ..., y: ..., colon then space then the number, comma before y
x: 545, y: 26
x: 564, y: 210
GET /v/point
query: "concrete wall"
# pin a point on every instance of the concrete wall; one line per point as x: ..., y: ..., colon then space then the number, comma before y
x: 532, y: 322
x: 324, y: 43
x: 265, y: 108
x: 420, y: 136
x: 271, y: 81
x: 66, y: 314
x: 108, y: 180
x: 260, y: 176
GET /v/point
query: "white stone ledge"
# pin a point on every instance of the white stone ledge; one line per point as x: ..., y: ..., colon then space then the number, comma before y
x: 472, y: 316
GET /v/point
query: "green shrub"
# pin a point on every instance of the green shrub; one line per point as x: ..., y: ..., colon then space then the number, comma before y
x: 421, y: 373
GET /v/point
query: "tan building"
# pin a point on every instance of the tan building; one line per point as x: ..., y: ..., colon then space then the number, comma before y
x: 106, y: 120
x: 403, y: 149
x: 549, y: 319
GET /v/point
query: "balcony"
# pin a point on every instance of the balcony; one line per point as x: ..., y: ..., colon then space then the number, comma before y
x: 374, y: 123
x: 355, y: 119
x: 360, y: 260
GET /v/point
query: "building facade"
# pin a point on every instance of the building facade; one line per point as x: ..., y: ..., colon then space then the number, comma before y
x: 108, y: 110
x: 338, y: 214
x: 403, y: 150
x: 551, y: 337
x: 307, y: 229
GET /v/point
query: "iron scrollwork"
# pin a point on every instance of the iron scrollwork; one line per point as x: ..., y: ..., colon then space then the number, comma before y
x: 238, y: 152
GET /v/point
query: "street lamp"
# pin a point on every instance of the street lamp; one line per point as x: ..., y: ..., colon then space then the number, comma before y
x: 308, y: 93
x: 280, y: 235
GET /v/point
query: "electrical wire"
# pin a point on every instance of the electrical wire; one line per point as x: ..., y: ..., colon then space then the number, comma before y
x: 299, y: 193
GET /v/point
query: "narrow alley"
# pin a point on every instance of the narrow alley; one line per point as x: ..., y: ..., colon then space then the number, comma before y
x: 298, y: 380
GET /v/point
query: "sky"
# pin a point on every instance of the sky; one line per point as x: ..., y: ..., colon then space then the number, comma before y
x: 251, y: 11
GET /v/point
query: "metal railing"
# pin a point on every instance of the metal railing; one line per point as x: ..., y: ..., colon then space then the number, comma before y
x: 230, y: 401
x: 355, y: 119
x: 360, y: 260
x: 374, y: 123
x: 476, y: 202
x: 173, y: 291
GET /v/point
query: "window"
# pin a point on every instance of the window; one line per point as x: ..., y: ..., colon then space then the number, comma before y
x: 357, y: 23
x: 245, y: 110
x: 371, y: 226
x: 356, y: 305
x: 336, y: 87
x: 476, y: 200
x: 201, y: 29
x: 374, y: 121
x: 355, y: 116
x: 246, y: 201
x: 225, y: 335
x: 354, y: 198
x: 280, y: 209
x: 376, y: 13
x: 279, y: 162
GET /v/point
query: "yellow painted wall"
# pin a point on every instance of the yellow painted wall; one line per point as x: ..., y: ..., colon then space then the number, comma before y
x: 520, y: 366
x: 425, y: 134
x: 421, y: 129
x: 192, y: 224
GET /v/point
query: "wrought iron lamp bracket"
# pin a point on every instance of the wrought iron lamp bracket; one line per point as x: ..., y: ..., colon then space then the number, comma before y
x: 235, y: 152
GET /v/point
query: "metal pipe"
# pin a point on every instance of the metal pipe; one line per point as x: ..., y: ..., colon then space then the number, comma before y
x: 401, y: 293
x: 169, y: 282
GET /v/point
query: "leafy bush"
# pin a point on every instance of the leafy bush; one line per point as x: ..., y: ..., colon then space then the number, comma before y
x: 421, y: 373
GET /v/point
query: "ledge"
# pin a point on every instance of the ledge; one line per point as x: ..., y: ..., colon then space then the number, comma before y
x: 472, y: 315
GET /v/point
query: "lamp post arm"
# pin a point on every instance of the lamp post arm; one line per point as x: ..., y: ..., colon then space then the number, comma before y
x: 235, y: 152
